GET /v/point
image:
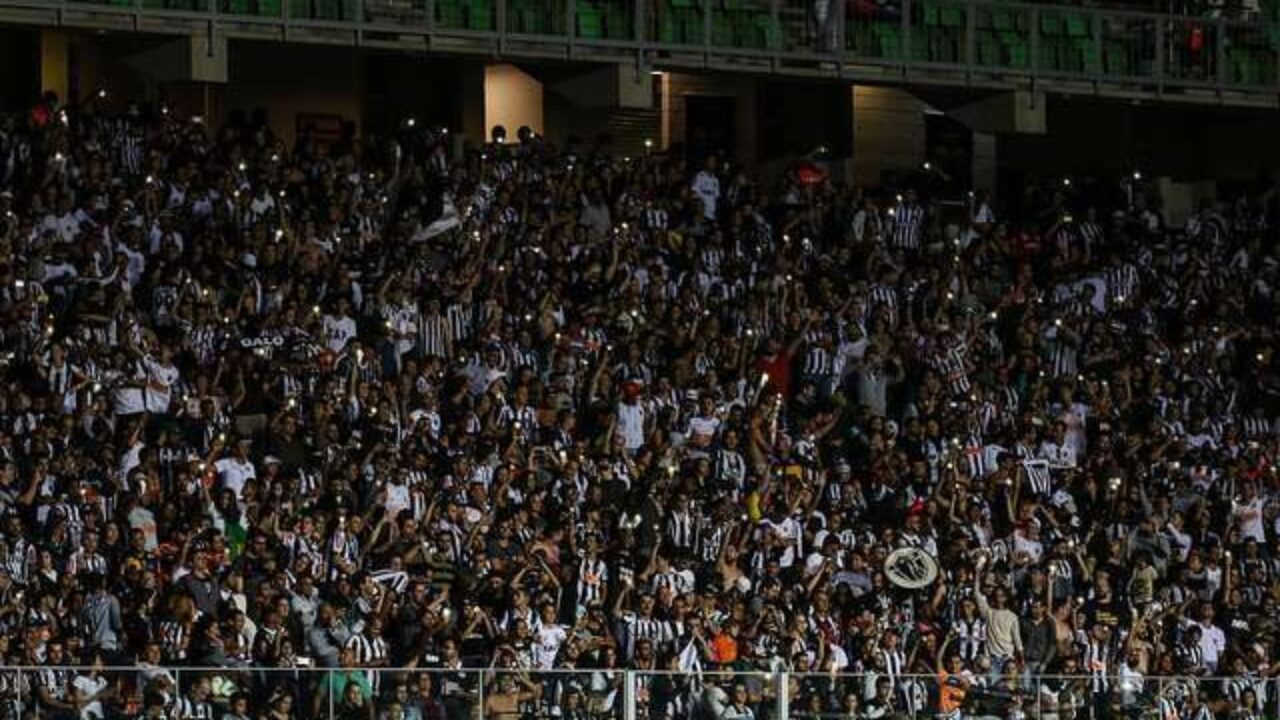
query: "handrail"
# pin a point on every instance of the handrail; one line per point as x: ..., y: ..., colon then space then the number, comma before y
x: 627, y: 694
x: 656, y: 672
x: 1112, y: 51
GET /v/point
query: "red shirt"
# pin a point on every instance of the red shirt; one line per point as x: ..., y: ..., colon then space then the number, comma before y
x: 779, y: 369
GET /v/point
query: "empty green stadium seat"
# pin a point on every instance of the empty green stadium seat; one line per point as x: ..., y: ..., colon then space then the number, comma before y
x: 479, y: 15
x: 1016, y: 50
x: 617, y: 22
x: 769, y: 33
x: 721, y: 31
x: 1078, y: 26
x: 930, y: 14
x: 590, y: 22
x: 988, y: 52
x: 1116, y: 59
x: 449, y: 14
x: 888, y: 41
x: 1089, y: 60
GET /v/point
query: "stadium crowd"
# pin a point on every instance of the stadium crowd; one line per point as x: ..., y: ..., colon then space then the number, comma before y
x: 527, y: 408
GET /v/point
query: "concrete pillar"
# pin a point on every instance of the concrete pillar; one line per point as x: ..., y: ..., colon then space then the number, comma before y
x: 54, y: 63
x: 209, y: 58
x: 473, y: 103
x: 611, y: 86
x: 677, y: 88
x: 888, y: 132
x: 1010, y: 112
x: 984, y: 161
x: 512, y: 98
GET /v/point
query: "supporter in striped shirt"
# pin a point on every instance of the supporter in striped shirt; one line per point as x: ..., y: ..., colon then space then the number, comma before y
x: 415, y: 389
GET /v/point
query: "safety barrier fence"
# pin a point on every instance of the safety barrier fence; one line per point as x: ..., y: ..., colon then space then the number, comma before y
x: 1150, y: 52
x: 579, y: 694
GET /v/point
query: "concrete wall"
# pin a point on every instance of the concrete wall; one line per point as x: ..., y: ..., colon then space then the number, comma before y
x: 287, y: 81
x: 55, y: 64
x: 1094, y: 137
x: 676, y: 87
x: 888, y: 132
x: 985, y: 161
x: 512, y: 98
x: 20, y: 59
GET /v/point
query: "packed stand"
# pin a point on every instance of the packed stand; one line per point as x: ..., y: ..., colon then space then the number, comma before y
x: 287, y: 415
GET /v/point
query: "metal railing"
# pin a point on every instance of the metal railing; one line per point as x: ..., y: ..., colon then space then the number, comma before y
x: 953, y: 42
x: 573, y: 694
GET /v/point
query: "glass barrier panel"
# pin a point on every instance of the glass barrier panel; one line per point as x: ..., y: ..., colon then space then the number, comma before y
x: 1250, y: 53
x: 807, y: 26
x: 705, y: 692
x: 254, y: 8
x: 874, y: 31
x: 341, y: 10
x: 677, y: 22
x: 1002, y: 36
x: 478, y: 15
x: 1191, y: 50
x: 939, y: 31
x: 1068, y: 42
x: 968, y: 689
x: 604, y: 19
x: 745, y: 24
x: 537, y: 17
x: 188, y: 5
x: 1128, y: 46
x: 396, y: 12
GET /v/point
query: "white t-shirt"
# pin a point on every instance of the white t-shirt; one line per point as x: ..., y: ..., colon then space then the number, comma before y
x: 90, y: 687
x: 338, y: 331
x: 1212, y: 643
x: 234, y: 473
x: 707, y: 187
x: 703, y: 429
x: 1249, y: 516
x: 397, y: 498
x: 631, y: 425
x: 550, y: 637
x: 126, y: 398
x: 160, y: 378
